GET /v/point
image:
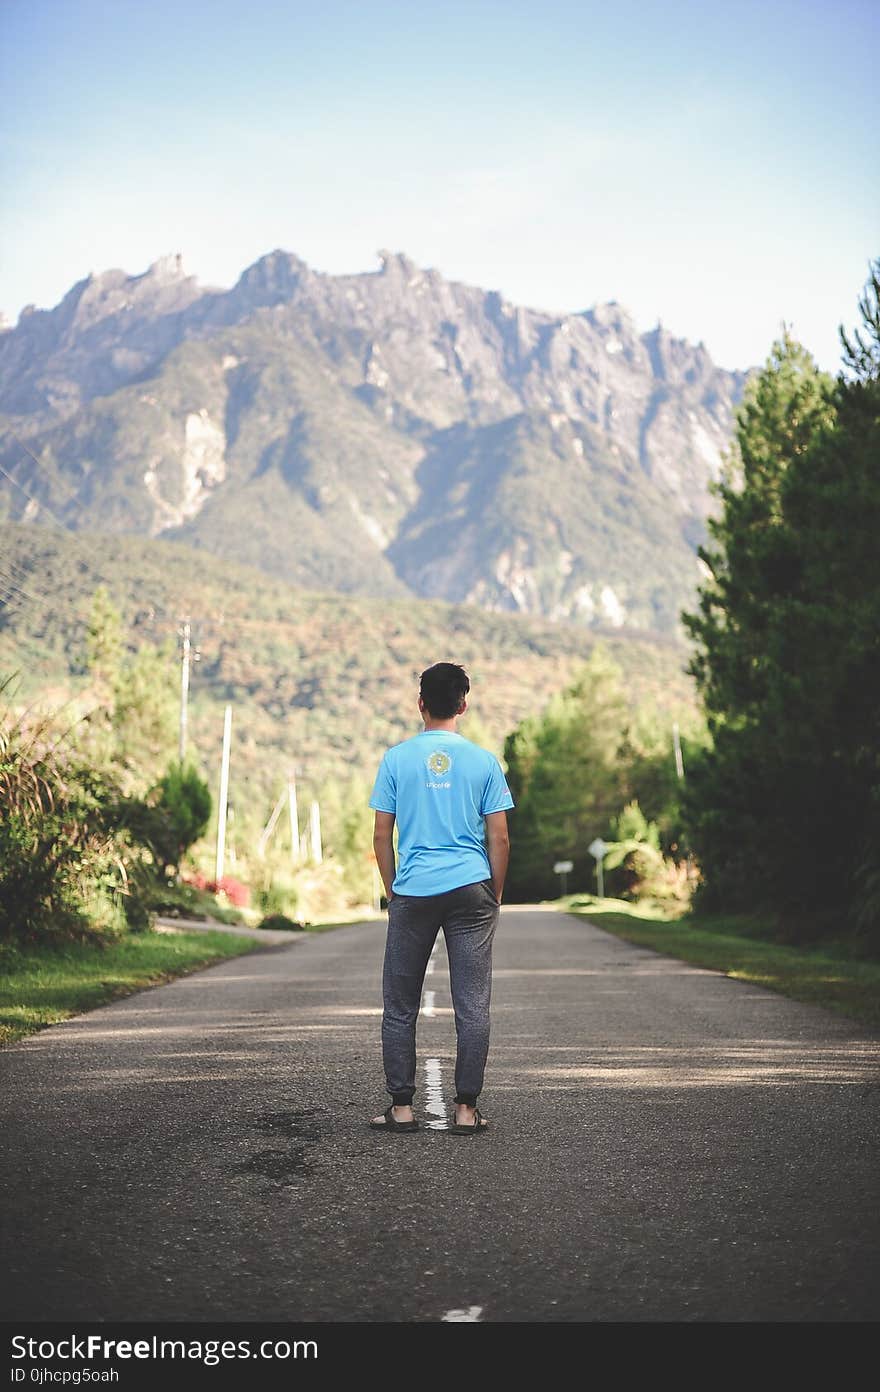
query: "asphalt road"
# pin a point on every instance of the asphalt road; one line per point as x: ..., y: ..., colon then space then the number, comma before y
x: 667, y: 1145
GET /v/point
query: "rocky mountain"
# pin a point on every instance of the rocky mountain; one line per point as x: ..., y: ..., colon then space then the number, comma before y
x: 383, y: 433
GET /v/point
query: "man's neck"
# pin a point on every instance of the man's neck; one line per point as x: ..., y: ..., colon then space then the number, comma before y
x: 432, y: 724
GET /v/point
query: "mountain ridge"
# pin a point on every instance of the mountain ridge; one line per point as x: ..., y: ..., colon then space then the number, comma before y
x: 386, y: 432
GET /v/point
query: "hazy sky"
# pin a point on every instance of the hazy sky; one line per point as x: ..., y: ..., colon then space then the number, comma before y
x: 713, y: 167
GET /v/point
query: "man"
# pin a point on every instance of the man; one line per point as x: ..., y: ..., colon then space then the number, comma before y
x: 442, y: 790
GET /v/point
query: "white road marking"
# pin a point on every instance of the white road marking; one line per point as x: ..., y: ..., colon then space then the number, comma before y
x: 434, y: 1104
x: 429, y: 970
x: 469, y: 1316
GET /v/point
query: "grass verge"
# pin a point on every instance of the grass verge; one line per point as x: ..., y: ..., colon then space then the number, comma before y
x: 829, y: 975
x: 41, y: 985
x: 344, y: 923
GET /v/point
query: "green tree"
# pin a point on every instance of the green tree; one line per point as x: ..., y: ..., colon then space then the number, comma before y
x: 749, y: 555
x: 634, y: 864
x: 132, y: 725
x: 567, y: 776
x: 145, y: 711
x: 828, y: 648
x: 347, y: 826
x: 183, y: 801
x: 652, y: 776
x: 632, y: 825
x: 104, y: 641
x: 783, y: 807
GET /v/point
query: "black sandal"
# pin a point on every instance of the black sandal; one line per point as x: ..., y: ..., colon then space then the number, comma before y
x: 479, y: 1124
x: 390, y: 1124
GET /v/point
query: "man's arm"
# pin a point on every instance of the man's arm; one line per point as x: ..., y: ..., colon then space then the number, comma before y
x: 497, y: 849
x: 383, y: 846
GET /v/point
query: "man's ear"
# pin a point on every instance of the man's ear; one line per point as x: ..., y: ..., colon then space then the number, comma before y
x: 463, y: 707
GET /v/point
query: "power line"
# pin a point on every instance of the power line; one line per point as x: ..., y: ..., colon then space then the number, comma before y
x: 11, y: 595
x: 34, y: 592
x: 47, y: 604
x: 102, y: 579
x: 15, y: 566
x: 71, y: 494
x: 14, y: 588
x: 174, y: 617
x: 171, y: 617
x: 23, y: 579
x: 35, y: 501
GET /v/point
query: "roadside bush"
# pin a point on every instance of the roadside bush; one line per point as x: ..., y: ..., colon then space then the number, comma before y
x: 281, y: 921
x: 172, y: 817
x: 276, y: 894
x: 233, y: 890
x: 635, y: 865
x: 181, y: 898
x: 66, y: 869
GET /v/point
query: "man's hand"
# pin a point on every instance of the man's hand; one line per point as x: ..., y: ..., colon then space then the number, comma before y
x: 497, y: 849
x: 383, y: 847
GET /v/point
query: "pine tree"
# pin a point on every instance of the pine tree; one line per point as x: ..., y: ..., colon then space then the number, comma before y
x: 829, y: 649
x: 749, y: 560
x: 104, y: 642
x: 784, y: 808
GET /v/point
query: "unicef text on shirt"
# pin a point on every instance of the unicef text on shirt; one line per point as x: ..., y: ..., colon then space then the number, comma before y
x: 438, y: 785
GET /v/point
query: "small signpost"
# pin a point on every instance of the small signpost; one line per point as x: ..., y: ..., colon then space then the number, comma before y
x: 597, y: 850
x: 563, y: 868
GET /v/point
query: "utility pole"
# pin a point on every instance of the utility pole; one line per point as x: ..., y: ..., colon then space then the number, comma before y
x: 676, y: 745
x: 270, y: 825
x: 184, y: 689
x: 294, y: 817
x: 315, y: 832
x: 224, y: 793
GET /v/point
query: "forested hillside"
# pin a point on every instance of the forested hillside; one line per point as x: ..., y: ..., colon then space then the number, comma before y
x: 318, y: 682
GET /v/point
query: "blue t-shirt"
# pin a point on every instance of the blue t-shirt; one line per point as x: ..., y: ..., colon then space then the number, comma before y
x: 439, y: 786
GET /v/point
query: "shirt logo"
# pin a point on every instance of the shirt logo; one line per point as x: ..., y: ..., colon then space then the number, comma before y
x: 439, y: 762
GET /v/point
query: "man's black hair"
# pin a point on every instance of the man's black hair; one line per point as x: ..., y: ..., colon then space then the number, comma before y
x: 442, y: 688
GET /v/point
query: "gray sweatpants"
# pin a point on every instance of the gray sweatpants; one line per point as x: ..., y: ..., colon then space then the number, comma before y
x: 468, y: 917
